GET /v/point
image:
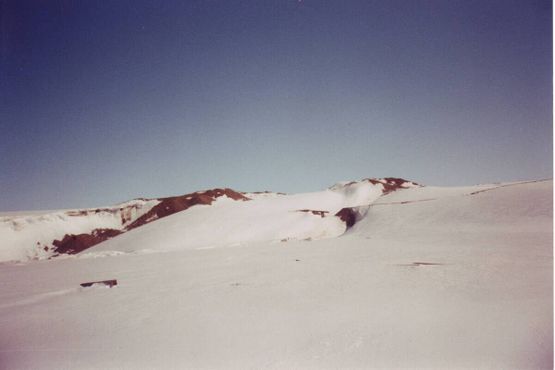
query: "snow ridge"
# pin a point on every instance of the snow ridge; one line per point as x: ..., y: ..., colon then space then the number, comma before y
x: 211, y: 218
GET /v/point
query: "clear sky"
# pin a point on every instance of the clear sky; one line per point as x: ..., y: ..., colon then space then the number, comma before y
x: 104, y: 101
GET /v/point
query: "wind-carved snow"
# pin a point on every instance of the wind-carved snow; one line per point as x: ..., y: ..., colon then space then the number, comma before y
x: 29, y: 236
x: 358, y: 193
x: 428, y: 278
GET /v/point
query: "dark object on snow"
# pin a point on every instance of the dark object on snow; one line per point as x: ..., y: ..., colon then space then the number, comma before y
x: 108, y: 283
x: 347, y: 215
x: 417, y: 264
x: 317, y: 213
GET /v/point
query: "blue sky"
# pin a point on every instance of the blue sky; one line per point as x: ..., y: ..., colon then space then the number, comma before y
x: 104, y: 101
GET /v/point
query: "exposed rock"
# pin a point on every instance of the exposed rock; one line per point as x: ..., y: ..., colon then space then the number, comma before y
x: 108, y: 283
x: 75, y: 243
x: 171, y: 205
x: 347, y: 215
x: 72, y: 244
x: 392, y: 183
x: 317, y: 213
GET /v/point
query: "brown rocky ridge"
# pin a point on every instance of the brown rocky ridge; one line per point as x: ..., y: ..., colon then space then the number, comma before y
x: 73, y: 244
x: 171, y: 205
x: 391, y: 183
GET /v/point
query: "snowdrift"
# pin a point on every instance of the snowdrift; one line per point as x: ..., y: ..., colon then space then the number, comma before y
x: 461, y: 210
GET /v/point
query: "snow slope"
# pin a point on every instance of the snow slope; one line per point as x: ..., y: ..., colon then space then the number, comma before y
x: 29, y: 235
x: 269, y: 218
x: 204, y: 219
x: 429, y: 278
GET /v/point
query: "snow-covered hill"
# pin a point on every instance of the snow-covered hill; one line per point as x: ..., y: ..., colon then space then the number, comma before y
x: 30, y: 235
x: 203, y: 219
x: 42, y: 235
x: 427, y: 277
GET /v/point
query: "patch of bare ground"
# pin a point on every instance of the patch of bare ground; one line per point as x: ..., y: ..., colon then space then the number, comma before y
x: 72, y: 244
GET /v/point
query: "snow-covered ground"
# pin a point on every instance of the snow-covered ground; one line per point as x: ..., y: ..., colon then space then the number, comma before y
x: 430, y: 277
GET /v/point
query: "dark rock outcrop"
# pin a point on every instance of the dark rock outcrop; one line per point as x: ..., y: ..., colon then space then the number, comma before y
x: 391, y: 183
x: 347, y: 215
x: 108, y: 283
x: 73, y: 244
x: 316, y: 213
